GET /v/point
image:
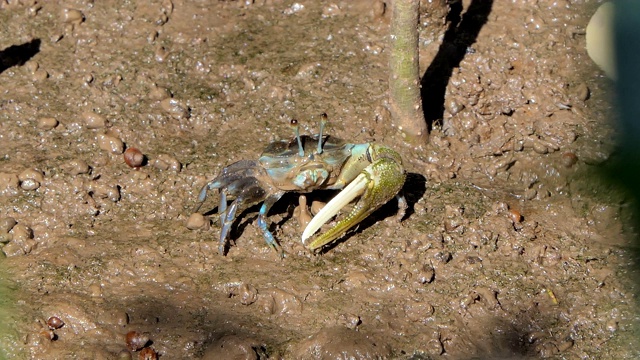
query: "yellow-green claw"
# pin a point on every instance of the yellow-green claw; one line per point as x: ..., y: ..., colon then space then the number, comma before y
x: 375, y: 185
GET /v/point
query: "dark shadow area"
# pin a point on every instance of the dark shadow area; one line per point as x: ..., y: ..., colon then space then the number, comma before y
x: 227, y: 334
x: 18, y: 55
x: 460, y: 35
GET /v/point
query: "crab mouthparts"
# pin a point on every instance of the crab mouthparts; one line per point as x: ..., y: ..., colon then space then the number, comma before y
x: 356, y: 188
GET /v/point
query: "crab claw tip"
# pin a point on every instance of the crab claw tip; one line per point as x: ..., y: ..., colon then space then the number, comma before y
x: 356, y: 188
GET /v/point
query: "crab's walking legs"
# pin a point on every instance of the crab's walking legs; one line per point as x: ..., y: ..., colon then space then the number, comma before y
x: 262, y: 223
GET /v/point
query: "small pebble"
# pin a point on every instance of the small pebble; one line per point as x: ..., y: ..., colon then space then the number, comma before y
x: 515, y: 215
x: 54, y: 322
x: 136, y: 341
x: 133, y: 157
x: 147, y: 354
x: 195, y: 221
x: 47, y: 123
x: 110, y: 143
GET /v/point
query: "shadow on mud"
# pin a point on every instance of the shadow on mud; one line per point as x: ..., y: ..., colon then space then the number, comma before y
x: 226, y: 333
x: 460, y: 35
x: 18, y: 55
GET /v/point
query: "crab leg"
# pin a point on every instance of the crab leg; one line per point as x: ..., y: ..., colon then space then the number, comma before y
x: 375, y: 185
x: 262, y: 223
x: 226, y: 219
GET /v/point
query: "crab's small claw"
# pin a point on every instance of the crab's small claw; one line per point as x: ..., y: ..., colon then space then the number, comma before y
x: 375, y: 185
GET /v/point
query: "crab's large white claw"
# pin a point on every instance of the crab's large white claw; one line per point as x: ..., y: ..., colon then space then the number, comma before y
x: 378, y: 183
x: 356, y: 188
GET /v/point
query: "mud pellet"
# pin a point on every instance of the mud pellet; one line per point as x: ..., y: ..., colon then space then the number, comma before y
x: 124, y: 355
x: 378, y: 9
x: 6, y: 224
x: 565, y: 345
x: 350, y: 321
x: 106, y: 191
x: 29, y: 184
x: 30, y: 179
x: 195, y: 221
x: 174, y: 108
x: 21, y: 232
x: 12, y: 249
x: 530, y: 194
x: 569, y: 159
x: 9, y: 183
x: 77, y: 167
x: 110, y: 143
x: 425, y: 275
x: 159, y: 93
x: 47, y: 123
x: 72, y: 16
x: 540, y: 148
x: 582, y: 92
x: 248, y: 294
x: 32, y: 66
x: 167, y: 162
x: 40, y: 75
x: 93, y: 120
x: 453, y: 106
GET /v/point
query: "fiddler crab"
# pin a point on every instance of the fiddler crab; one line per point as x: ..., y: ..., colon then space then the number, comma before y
x: 372, y: 172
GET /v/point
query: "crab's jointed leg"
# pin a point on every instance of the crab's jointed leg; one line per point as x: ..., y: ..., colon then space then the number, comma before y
x: 375, y: 185
x: 240, y: 180
x: 262, y: 222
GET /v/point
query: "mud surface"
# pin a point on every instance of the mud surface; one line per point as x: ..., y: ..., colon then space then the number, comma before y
x: 511, y: 245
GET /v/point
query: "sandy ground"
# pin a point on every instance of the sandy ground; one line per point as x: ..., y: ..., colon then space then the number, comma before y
x: 511, y: 246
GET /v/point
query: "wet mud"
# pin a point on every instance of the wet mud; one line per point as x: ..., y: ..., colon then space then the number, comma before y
x: 512, y: 245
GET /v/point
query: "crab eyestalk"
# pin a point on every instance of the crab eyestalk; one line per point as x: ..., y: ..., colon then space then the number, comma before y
x: 323, y: 123
x: 296, y: 130
x: 375, y: 186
